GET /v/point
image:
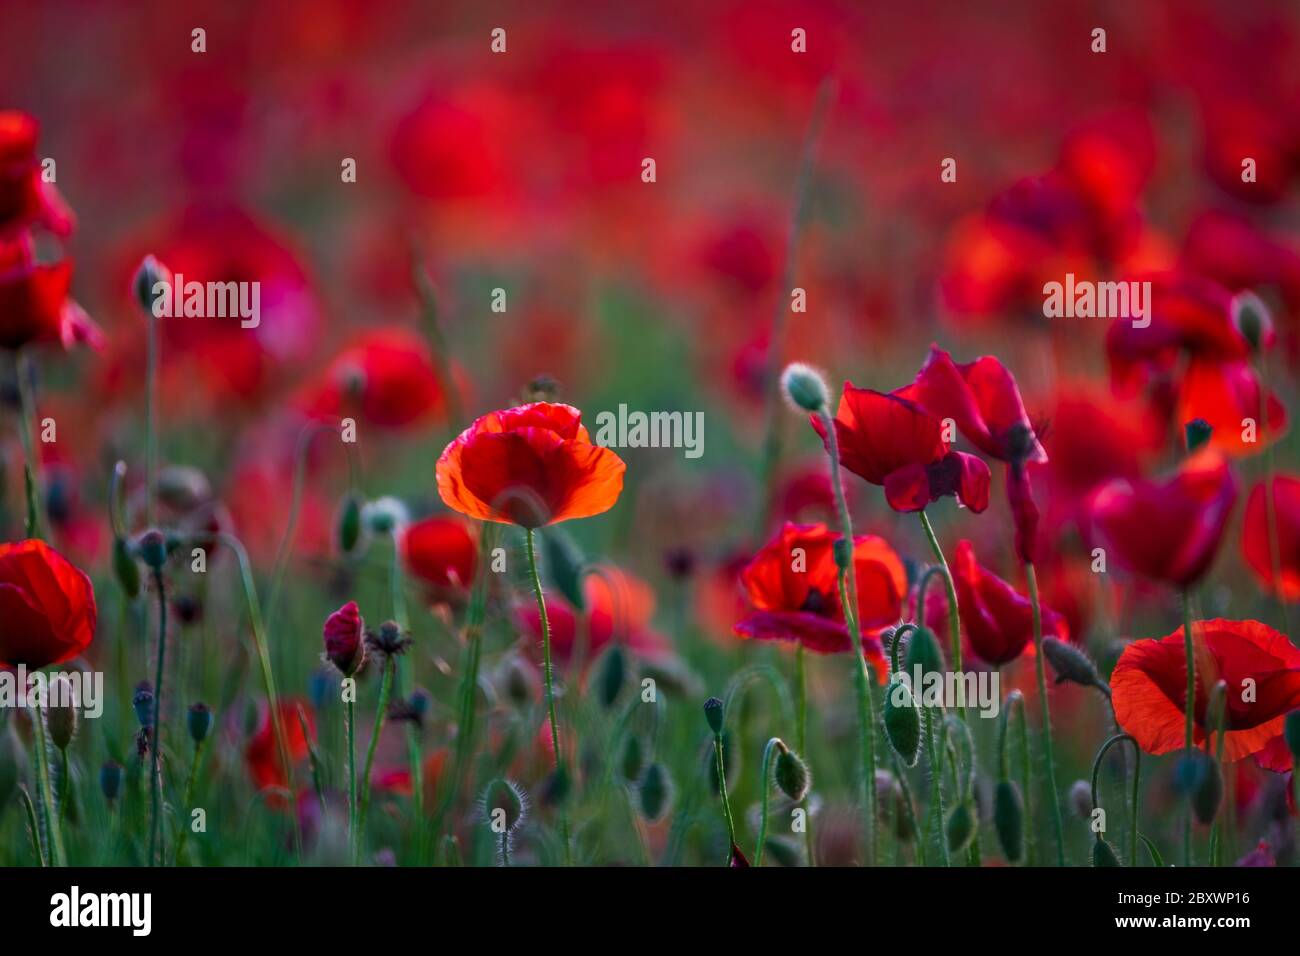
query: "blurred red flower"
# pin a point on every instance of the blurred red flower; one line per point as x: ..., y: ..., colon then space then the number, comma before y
x: 793, y: 586
x: 387, y: 378
x: 1149, y: 686
x: 440, y: 552
x: 25, y: 198
x: 1255, y: 537
x: 1227, y: 396
x: 532, y: 465
x: 46, y: 604
x: 34, y: 304
x: 892, y: 441
x: 260, y: 755
x: 1168, y: 530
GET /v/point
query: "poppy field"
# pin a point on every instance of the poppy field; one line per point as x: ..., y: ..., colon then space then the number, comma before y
x: 721, y: 435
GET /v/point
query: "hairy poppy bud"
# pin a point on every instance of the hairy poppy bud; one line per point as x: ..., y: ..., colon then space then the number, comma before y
x: 1252, y: 319
x: 613, y: 671
x: 1291, y: 733
x: 843, y: 552
x: 655, y: 793
x: 344, y: 647
x: 1009, y: 819
x: 145, y: 283
x: 348, y: 524
x: 152, y: 548
x: 1198, y: 432
x: 792, y: 774
x: 1080, y: 799
x: 902, y: 720
x: 923, y: 651
x: 143, y: 703
x: 125, y: 569
x: 505, y: 805
x: 198, y: 720
x: 713, y: 714
x: 1070, y: 663
x: 565, y: 566
x: 384, y: 515
x: 110, y: 780
x: 960, y: 828
x: 61, y: 714
x: 803, y: 385
x: 633, y: 758
x: 1103, y: 854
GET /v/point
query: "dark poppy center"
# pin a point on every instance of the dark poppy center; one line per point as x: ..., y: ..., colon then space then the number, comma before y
x: 817, y: 602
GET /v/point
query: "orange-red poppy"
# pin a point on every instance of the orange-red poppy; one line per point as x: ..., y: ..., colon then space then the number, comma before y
x: 47, y: 606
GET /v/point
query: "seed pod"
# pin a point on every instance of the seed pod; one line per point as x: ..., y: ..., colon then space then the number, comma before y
x: 110, y: 780
x: 613, y: 673
x: 792, y: 774
x: 902, y: 720
x: 152, y: 548
x: 713, y: 714
x: 923, y: 651
x: 1009, y: 819
x: 61, y: 715
x: 1103, y: 854
x: 655, y: 793
x: 960, y: 827
x: 198, y: 720
x: 142, y: 703
x: 348, y: 524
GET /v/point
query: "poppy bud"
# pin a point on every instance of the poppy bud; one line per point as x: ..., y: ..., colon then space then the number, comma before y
x: 960, y: 828
x: 633, y: 760
x: 1207, y: 792
x: 61, y: 715
x: 902, y: 720
x: 348, y: 524
x: 1291, y: 733
x: 1070, y: 663
x: 738, y: 859
x: 1252, y: 319
x: 713, y: 714
x: 1009, y: 819
x: 1103, y: 854
x: 923, y: 651
x: 198, y: 720
x: 655, y: 793
x: 891, y: 805
x: 110, y: 780
x: 1198, y: 432
x: 843, y: 552
x: 343, y: 632
x: 565, y: 566
x: 12, y: 761
x: 804, y: 386
x: 1081, y: 799
x: 384, y: 515
x: 505, y: 805
x: 792, y: 774
x: 152, y: 548
x: 613, y: 670
x: 125, y: 569
x: 143, y: 703
x: 389, y: 640
x: 147, y: 276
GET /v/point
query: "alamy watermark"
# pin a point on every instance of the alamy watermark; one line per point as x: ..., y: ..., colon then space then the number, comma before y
x: 83, y: 690
x: 949, y: 689
x: 624, y: 429
x: 1098, y: 300
x: 208, y: 300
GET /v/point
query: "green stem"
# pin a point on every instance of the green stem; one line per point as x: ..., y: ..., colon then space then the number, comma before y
x: 801, y: 677
x: 155, y: 739
x: 385, y: 690
x: 1189, y: 710
x: 766, y: 779
x: 31, y: 461
x: 954, y: 618
x: 150, y: 419
x: 1049, y: 756
x: 1137, y: 781
x: 1015, y: 702
x: 935, y: 812
x: 53, y: 832
x: 548, y: 671
x: 405, y: 686
x: 1270, y: 502
x: 184, y: 830
x: 849, y: 603
x: 350, y: 727
x: 31, y: 822
x: 722, y: 787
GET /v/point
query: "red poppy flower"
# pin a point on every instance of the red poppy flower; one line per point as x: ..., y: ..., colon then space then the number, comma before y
x: 34, y: 303
x: 996, y: 619
x: 25, y: 198
x: 387, y: 378
x: 892, y: 441
x: 1168, y: 530
x: 441, y: 552
x: 1261, y: 668
x: 793, y: 585
x: 342, y: 634
x: 532, y: 465
x: 618, y: 607
x: 1255, y: 537
x: 47, y: 606
x: 1227, y: 396
x: 261, y: 756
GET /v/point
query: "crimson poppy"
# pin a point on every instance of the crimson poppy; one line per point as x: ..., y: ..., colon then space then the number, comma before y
x: 616, y: 607
x: 440, y: 552
x: 342, y: 634
x: 1255, y: 545
x: 261, y: 756
x: 26, y: 199
x: 1227, y: 396
x: 1168, y: 530
x: 34, y: 303
x: 47, y: 606
x: 996, y: 618
x: 894, y: 442
x: 386, y: 378
x: 532, y: 465
x: 1260, y: 666
x: 793, y: 586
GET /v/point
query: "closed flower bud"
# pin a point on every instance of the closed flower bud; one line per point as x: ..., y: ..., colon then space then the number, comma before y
x: 792, y: 774
x: 1009, y: 819
x: 183, y: 488
x: 713, y: 714
x: 348, y: 524
x: 384, y: 515
x: 145, y: 283
x: 61, y: 714
x: 632, y: 761
x: 654, y: 795
x: 152, y: 548
x: 343, y: 634
x: 1070, y: 663
x: 110, y: 780
x: 923, y: 651
x: 613, y: 671
x: 142, y: 702
x: 1252, y: 319
x: 125, y: 569
x: 902, y: 720
x: 1081, y: 799
x: 960, y: 827
x: 198, y: 720
x: 504, y: 805
x: 1291, y: 733
x: 803, y: 385
x: 1103, y: 854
